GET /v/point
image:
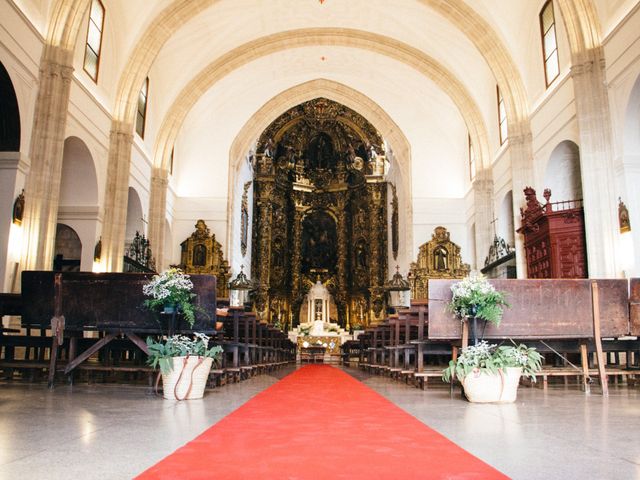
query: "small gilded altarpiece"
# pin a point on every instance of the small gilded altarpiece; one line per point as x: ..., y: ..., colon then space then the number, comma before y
x: 438, y: 258
x: 202, y: 254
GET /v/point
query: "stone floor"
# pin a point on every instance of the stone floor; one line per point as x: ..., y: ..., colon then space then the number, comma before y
x: 115, y: 432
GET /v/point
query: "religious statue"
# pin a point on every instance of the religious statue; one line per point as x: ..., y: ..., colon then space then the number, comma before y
x: 199, y: 255
x: 440, y: 255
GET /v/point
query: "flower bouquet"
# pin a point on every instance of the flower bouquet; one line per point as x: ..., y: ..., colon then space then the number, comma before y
x: 474, y: 296
x: 171, y: 288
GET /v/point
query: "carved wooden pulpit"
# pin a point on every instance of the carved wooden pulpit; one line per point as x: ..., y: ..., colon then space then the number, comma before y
x: 438, y: 258
x: 201, y: 253
x: 554, y: 238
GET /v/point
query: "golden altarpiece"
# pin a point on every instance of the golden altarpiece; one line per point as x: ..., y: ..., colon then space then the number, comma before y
x: 320, y: 214
x: 201, y: 253
x: 438, y: 258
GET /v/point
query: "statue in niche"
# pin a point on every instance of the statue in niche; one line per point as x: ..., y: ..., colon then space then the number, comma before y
x: 278, y: 258
x: 320, y: 153
x: 319, y: 240
x: 361, y: 255
x: 440, y: 257
x: 199, y: 255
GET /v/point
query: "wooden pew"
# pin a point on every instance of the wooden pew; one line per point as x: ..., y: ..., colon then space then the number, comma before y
x: 69, y: 304
x: 573, y: 314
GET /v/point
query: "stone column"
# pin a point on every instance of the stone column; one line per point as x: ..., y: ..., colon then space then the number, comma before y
x: 521, y: 154
x: 42, y: 188
x: 116, y: 196
x: 157, y: 214
x: 296, y: 248
x: 341, y: 296
x: 483, y: 201
x: 596, y: 162
x: 264, y: 245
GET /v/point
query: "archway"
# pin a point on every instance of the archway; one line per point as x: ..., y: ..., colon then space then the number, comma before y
x: 505, y: 227
x: 67, y: 250
x: 562, y: 174
x: 320, y: 193
x: 10, y: 117
x: 9, y: 190
x: 135, y: 222
x: 78, y: 203
x: 631, y: 167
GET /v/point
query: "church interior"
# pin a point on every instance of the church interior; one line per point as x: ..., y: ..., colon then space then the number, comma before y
x: 325, y: 171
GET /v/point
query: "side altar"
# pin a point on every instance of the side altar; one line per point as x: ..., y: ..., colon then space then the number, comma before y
x: 319, y: 330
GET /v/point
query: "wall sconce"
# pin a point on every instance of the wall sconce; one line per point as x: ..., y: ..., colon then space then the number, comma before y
x: 18, y: 209
x: 97, y: 251
x: 623, y: 217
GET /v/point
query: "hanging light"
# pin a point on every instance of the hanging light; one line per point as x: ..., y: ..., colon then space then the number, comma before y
x: 399, y: 291
x: 239, y: 289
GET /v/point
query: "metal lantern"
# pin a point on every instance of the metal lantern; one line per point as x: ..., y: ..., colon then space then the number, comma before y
x: 239, y: 289
x: 399, y: 291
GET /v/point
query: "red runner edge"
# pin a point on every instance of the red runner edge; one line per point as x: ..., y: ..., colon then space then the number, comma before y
x: 316, y: 423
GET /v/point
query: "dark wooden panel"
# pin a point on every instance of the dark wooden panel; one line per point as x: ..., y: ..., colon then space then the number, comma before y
x: 539, y: 309
x: 634, y: 301
x: 614, y: 307
x: 10, y: 304
x: 37, y: 295
x: 106, y: 301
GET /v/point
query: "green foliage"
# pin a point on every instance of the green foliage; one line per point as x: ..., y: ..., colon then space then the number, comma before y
x: 172, y: 288
x: 161, y: 352
x: 491, y: 358
x: 474, y: 296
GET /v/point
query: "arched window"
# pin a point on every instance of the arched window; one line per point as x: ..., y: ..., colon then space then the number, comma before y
x: 502, y: 117
x: 549, y: 43
x: 141, y: 117
x: 94, y: 40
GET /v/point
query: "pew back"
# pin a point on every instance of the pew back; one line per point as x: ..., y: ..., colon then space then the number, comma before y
x: 553, y: 309
x: 104, y: 301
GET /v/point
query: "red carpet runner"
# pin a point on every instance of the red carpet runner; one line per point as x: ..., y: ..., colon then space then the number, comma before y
x: 320, y: 423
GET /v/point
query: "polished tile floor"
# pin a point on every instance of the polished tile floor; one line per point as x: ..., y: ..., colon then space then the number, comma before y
x: 115, y: 432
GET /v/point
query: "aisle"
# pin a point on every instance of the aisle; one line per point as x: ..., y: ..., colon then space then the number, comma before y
x: 318, y: 423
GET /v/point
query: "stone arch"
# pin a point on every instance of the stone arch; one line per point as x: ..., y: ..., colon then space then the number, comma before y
x: 583, y: 27
x: 505, y: 227
x: 631, y: 139
x: 79, y: 182
x: 562, y: 174
x: 134, y: 215
x: 360, y: 103
x: 78, y: 200
x: 321, y: 36
x: 10, y: 118
x: 68, y: 248
x: 463, y: 17
x: 64, y: 23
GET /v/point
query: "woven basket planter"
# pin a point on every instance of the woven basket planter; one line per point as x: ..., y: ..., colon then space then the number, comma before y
x: 482, y: 387
x: 187, y: 379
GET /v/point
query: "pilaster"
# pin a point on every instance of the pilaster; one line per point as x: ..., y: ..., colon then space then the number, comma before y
x: 521, y: 155
x: 157, y: 212
x: 42, y: 187
x: 596, y: 161
x: 116, y: 196
x: 483, y: 201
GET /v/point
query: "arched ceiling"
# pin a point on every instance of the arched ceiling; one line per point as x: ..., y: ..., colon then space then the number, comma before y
x: 174, y: 40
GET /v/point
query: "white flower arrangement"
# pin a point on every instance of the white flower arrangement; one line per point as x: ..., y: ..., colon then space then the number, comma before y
x: 474, y: 296
x: 171, y: 287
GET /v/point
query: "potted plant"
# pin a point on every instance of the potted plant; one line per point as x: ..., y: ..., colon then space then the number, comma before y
x: 474, y: 297
x: 184, y: 363
x: 172, y: 289
x: 491, y: 373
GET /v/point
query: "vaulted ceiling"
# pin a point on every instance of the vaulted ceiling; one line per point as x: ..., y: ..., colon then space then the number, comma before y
x: 237, y: 55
